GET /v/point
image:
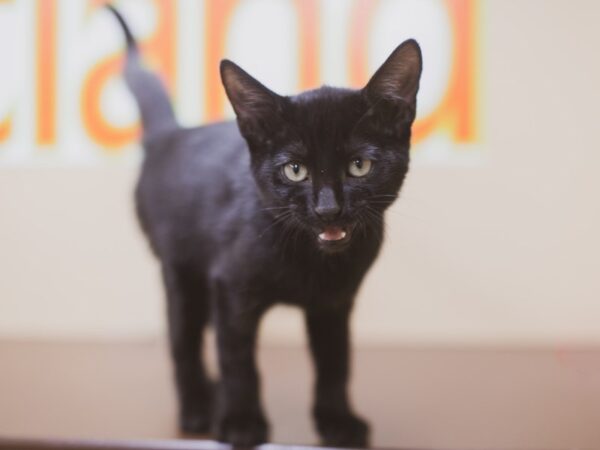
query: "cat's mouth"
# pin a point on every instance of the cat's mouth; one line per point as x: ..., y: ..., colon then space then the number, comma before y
x: 334, y: 237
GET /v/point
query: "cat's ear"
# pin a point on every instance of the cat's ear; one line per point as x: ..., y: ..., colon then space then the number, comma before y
x: 398, y: 77
x: 255, y: 106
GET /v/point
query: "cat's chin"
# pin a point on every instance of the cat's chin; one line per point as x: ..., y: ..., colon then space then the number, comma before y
x: 332, y: 239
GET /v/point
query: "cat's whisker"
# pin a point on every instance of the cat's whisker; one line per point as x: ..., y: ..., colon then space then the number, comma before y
x: 291, y: 232
x: 381, y: 196
x: 277, y: 220
x: 293, y: 237
x: 380, y: 202
x: 297, y: 235
x: 363, y: 226
x: 375, y: 221
x: 282, y: 239
x: 274, y: 208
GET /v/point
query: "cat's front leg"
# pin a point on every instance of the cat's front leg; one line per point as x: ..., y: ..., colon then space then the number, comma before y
x: 338, y: 426
x: 240, y: 420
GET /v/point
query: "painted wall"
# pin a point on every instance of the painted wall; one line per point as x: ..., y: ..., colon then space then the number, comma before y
x: 493, y: 241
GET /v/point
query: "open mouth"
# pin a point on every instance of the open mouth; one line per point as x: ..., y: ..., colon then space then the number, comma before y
x: 334, y: 236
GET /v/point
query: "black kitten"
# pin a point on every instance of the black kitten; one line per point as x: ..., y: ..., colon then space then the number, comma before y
x: 286, y: 205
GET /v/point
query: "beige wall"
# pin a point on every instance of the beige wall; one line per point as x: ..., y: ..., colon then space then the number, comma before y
x: 506, y: 251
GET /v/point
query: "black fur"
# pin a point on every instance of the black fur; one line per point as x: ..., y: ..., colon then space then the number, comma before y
x: 234, y: 235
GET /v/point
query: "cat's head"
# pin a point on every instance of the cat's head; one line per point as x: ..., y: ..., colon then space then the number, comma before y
x: 330, y: 161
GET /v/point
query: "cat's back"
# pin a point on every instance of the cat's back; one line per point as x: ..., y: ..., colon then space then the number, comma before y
x: 209, y: 146
x: 190, y: 180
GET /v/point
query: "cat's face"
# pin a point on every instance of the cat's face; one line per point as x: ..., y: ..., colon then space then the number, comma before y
x: 330, y: 161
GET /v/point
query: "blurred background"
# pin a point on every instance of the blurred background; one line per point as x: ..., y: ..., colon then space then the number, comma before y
x: 494, y: 240
x: 494, y: 243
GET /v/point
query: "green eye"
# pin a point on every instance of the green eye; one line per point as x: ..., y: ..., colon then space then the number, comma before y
x: 295, y: 171
x: 359, y: 167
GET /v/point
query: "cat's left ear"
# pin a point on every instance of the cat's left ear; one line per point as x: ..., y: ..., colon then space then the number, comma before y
x: 398, y: 77
x: 256, y: 107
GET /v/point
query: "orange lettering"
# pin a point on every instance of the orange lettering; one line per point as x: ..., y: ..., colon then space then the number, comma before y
x: 217, y: 15
x: 360, y: 24
x: 5, y: 128
x: 456, y: 111
x: 46, y: 72
x: 5, y: 124
x: 309, y: 43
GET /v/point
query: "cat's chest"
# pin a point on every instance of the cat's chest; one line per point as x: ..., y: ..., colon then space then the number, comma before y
x: 299, y: 274
x: 318, y: 282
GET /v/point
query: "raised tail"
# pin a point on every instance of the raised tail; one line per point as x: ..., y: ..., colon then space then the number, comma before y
x: 148, y: 90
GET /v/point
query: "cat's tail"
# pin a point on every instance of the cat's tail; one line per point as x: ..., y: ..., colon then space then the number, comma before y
x: 148, y: 90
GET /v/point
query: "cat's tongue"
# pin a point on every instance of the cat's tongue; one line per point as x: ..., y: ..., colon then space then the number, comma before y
x: 332, y: 234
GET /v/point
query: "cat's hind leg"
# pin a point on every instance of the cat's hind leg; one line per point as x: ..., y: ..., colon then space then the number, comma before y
x: 188, y: 313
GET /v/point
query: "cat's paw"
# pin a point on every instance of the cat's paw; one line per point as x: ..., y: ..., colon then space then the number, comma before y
x: 243, y: 430
x: 342, y: 429
x: 195, y: 422
x: 195, y: 414
x: 196, y: 417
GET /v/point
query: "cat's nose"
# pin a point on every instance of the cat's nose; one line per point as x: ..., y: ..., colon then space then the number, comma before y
x: 327, y: 206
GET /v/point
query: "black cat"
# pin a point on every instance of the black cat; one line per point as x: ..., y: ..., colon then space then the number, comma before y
x: 286, y: 205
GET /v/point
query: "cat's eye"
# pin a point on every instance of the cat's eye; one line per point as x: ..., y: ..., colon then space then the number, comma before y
x: 295, y: 171
x: 359, y: 167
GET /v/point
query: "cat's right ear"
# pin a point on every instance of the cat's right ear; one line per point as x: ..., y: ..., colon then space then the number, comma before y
x: 256, y: 107
x: 398, y: 77
x: 392, y: 91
